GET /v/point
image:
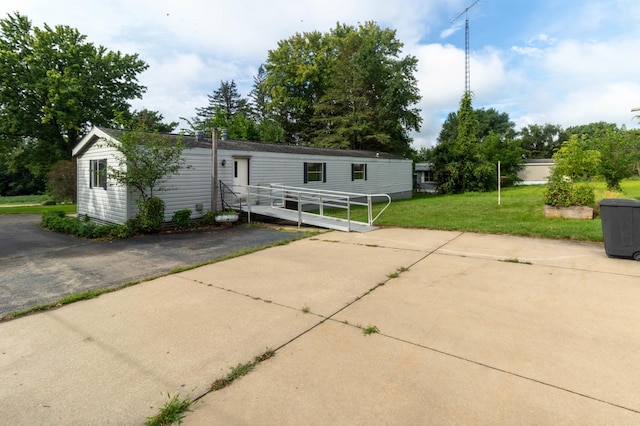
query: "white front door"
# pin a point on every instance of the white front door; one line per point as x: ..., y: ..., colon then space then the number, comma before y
x: 240, y: 176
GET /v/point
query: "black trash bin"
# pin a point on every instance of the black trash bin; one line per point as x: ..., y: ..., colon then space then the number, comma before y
x: 621, y: 227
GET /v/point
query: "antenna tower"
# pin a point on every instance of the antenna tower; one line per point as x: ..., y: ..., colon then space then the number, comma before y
x: 467, y: 72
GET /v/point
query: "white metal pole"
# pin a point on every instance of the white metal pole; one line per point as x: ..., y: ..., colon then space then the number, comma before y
x: 499, y: 182
x: 214, y: 170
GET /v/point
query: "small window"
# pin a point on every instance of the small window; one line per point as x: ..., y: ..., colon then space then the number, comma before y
x: 358, y: 171
x: 315, y: 172
x: 427, y: 176
x: 98, y: 173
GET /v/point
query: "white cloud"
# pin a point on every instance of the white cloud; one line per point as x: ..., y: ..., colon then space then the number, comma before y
x: 569, y: 69
x: 449, y: 31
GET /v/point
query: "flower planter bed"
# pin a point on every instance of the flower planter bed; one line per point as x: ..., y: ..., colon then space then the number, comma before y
x: 571, y: 212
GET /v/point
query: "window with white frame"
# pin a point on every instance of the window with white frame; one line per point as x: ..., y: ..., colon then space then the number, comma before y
x: 98, y: 173
x: 427, y: 176
x: 315, y: 172
x: 358, y: 171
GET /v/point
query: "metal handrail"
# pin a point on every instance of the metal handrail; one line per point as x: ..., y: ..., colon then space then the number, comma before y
x: 278, y: 195
x: 226, y: 192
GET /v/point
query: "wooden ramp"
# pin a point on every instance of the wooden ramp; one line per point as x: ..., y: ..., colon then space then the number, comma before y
x: 307, y: 218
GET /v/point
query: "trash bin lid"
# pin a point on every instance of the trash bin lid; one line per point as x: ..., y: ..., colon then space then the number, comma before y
x: 619, y: 202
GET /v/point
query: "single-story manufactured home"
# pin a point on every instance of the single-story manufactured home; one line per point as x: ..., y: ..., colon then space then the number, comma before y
x: 237, y: 164
x: 536, y: 171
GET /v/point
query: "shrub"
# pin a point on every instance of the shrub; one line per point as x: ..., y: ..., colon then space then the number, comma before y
x: 182, y: 218
x: 209, y: 218
x: 563, y: 193
x: 150, y: 217
x: 57, y: 221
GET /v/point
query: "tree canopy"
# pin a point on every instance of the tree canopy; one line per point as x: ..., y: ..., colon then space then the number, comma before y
x: 348, y: 88
x: 55, y: 85
x: 471, y: 143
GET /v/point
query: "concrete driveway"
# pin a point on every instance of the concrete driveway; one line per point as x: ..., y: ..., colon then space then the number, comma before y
x: 38, y: 266
x: 473, y: 329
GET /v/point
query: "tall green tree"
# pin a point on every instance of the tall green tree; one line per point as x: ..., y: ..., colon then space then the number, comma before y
x: 226, y: 109
x: 349, y: 88
x: 489, y: 121
x: 619, y: 155
x: 55, y: 84
x: 541, y: 141
x: 296, y: 73
x: 592, y: 129
x: 466, y: 155
x: 225, y: 98
x: 577, y: 159
x: 145, y: 119
x: 258, y: 96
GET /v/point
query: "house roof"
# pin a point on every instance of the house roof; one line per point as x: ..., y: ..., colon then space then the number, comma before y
x: 423, y: 166
x: 540, y: 161
x: 190, y: 141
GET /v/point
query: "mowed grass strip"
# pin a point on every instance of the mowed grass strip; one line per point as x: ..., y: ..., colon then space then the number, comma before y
x: 31, y: 204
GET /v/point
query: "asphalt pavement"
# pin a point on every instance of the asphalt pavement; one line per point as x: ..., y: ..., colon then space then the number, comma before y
x: 38, y: 266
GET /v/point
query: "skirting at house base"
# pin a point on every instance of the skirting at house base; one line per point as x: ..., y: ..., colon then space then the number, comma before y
x: 571, y: 212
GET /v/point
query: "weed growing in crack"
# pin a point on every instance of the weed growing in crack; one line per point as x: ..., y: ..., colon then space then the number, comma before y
x: 371, y: 329
x: 241, y: 370
x: 172, y: 412
x: 515, y: 260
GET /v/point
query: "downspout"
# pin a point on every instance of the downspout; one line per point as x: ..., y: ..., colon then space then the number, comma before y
x: 214, y: 170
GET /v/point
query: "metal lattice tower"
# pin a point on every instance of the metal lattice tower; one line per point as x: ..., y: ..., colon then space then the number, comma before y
x: 467, y: 71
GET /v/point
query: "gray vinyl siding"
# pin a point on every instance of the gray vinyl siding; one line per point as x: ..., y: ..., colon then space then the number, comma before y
x: 191, y: 187
x: 103, y: 205
x: 388, y: 176
x: 116, y: 205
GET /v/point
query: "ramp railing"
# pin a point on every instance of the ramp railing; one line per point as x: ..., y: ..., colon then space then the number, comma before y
x: 314, y: 201
x: 228, y: 198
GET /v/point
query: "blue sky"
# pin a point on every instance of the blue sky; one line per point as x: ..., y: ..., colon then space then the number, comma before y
x: 568, y: 63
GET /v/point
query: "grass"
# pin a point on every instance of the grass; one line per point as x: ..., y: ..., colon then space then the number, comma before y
x: 24, y: 199
x: 371, y: 329
x: 175, y: 408
x: 31, y: 204
x: 37, y: 209
x: 172, y: 412
x: 72, y: 298
x: 241, y: 370
x: 520, y: 213
x: 515, y: 260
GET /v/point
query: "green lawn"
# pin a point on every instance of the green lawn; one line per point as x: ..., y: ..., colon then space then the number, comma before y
x: 24, y: 199
x: 31, y: 204
x: 519, y: 213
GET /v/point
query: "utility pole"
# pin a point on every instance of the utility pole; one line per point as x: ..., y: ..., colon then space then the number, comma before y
x: 467, y: 72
